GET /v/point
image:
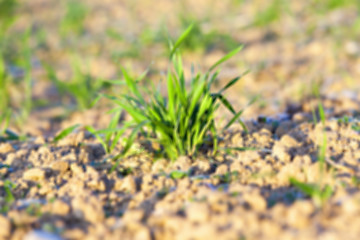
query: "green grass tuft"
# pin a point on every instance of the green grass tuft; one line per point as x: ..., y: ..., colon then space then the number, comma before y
x: 184, y: 120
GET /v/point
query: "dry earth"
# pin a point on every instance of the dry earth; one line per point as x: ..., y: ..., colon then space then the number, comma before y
x: 64, y: 190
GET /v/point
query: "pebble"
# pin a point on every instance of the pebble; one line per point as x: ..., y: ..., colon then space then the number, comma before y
x: 280, y: 151
x: 159, y: 165
x: 198, y: 212
x: 284, y: 128
x: 5, y: 228
x: 182, y: 163
x: 60, y: 166
x: 256, y: 201
x: 89, y: 210
x: 222, y: 169
x: 34, y: 174
x: 6, y: 148
x: 127, y: 184
x: 203, y: 166
x: 133, y: 215
x: 60, y: 208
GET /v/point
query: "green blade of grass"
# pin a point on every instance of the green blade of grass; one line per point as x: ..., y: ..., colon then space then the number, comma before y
x: 98, y: 137
x: 64, y: 133
x: 113, y: 123
x: 233, y: 81
x: 132, y: 85
x: 322, y: 114
x: 9, y: 198
x: 308, y: 189
x: 11, y: 135
x: 226, y: 103
x: 226, y: 57
x: 180, y: 40
x: 237, y: 115
x: 199, y: 89
x: 134, y: 111
x: 178, y: 174
x: 128, y: 145
x: 171, y: 96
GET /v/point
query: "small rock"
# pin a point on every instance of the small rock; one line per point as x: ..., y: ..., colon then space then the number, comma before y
x: 40, y: 140
x: 280, y: 151
x: 184, y: 184
x: 256, y: 201
x: 301, y: 117
x: 21, y: 218
x: 182, y: 163
x: 60, y: 208
x: 198, y: 212
x: 76, y: 169
x: 127, y: 184
x: 10, y: 158
x: 284, y: 128
x: 142, y: 233
x: 96, y: 184
x: 288, y: 141
x: 34, y: 174
x: 6, y: 148
x: 91, y: 210
x: 159, y: 165
x: 41, y: 235
x: 60, y: 166
x: 133, y: 215
x: 222, y: 169
x: 5, y: 228
x: 298, y: 215
x: 203, y: 166
x: 236, y: 166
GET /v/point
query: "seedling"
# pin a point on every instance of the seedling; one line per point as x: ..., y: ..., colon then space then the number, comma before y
x: 270, y: 14
x: 82, y: 87
x: 20, y: 109
x: 198, y: 40
x: 178, y: 174
x: 34, y: 209
x: 344, y: 119
x: 9, y: 197
x: 319, y: 194
x: 162, y: 193
x: 182, y: 121
x: 4, y: 90
x: 73, y: 21
x: 228, y: 177
x: 64, y: 133
x: 356, y: 127
x: 7, y: 14
x: 110, y: 136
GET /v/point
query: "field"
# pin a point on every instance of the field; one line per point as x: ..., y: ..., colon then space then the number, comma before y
x: 233, y: 119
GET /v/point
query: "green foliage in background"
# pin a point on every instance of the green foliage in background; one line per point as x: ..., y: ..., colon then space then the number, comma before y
x: 82, y: 86
x: 7, y: 15
x: 110, y: 136
x: 198, y: 40
x: 73, y: 21
x: 272, y: 13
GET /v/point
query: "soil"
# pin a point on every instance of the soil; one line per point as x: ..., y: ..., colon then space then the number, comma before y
x: 64, y: 190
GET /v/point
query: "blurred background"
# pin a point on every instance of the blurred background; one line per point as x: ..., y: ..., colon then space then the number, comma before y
x: 56, y: 56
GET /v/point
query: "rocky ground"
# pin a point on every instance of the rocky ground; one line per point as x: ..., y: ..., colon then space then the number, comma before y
x: 64, y: 190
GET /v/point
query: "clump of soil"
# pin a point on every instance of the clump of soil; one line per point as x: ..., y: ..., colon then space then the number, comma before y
x: 66, y: 189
